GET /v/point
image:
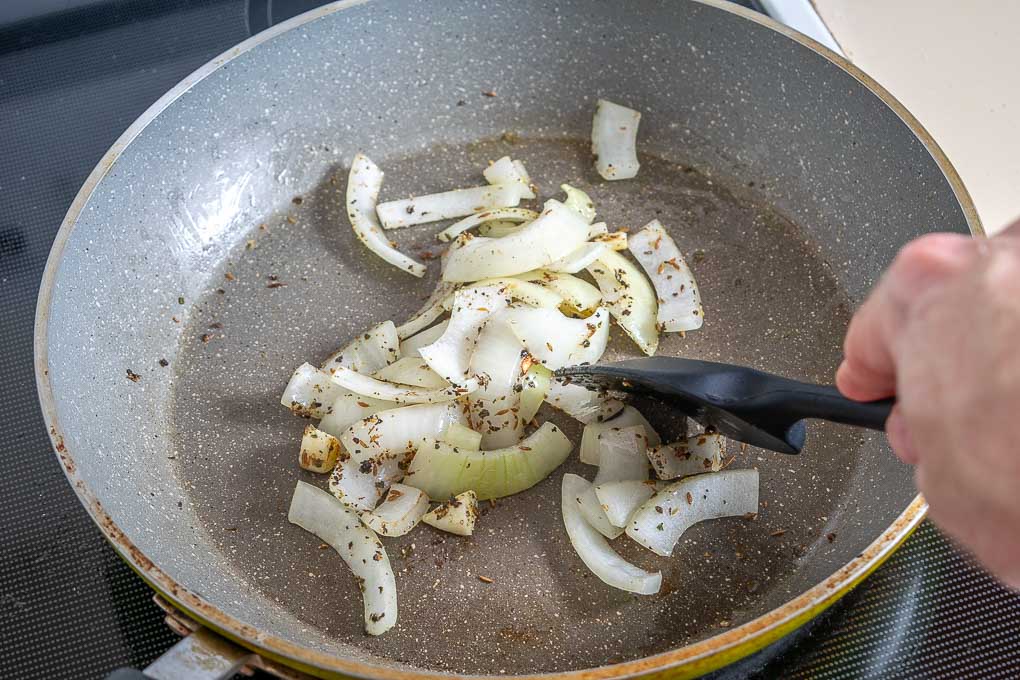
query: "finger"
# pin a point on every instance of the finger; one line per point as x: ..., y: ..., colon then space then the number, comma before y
x: 869, y: 368
x: 898, y: 433
x: 1011, y: 229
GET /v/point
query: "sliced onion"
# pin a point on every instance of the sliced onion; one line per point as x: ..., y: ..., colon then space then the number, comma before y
x: 579, y: 202
x: 382, y: 443
x: 401, y: 394
x: 462, y: 437
x: 506, y: 171
x: 536, y: 384
x: 363, y: 186
x: 411, y: 371
x: 614, y: 240
x: 377, y: 347
x: 597, y: 229
x: 410, y: 347
x: 430, y: 311
x: 579, y: 259
x: 697, y: 454
x: 401, y: 510
x: 556, y: 340
x: 442, y: 470
x: 580, y: 298
x: 310, y: 391
x: 620, y: 500
x: 679, y: 300
x: 595, y: 514
x: 317, y: 512
x: 629, y: 297
x: 447, y: 205
x: 499, y: 228
x: 319, y: 450
x: 622, y: 455
x: 594, y: 550
x: 660, y: 522
x: 584, y: 405
x: 628, y: 417
x: 613, y: 140
x: 557, y: 232
x: 347, y: 409
x: 494, y: 408
x: 527, y: 292
x: 456, y: 516
x: 450, y: 355
x: 478, y: 219
x: 357, y: 489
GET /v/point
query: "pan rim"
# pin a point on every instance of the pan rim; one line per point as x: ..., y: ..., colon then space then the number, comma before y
x: 687, y: 661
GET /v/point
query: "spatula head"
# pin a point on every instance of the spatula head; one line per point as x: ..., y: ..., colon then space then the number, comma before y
x: 732, y: 399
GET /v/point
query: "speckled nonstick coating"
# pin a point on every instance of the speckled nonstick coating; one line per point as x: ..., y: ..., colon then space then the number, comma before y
x: 786, y: 180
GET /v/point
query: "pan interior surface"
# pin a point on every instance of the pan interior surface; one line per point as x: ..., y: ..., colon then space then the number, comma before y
x: 787, y: 182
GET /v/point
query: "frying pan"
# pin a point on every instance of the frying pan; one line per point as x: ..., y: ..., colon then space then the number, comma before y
x: 789, y: 176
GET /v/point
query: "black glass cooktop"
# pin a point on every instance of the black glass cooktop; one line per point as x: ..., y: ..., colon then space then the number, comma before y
x: 73, y: 75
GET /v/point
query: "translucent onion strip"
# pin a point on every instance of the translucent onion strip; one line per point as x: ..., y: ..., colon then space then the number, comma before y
x: 536, y: 383
x: 556, y: 340
x: 664, y: 517
x: 557, y: 232
x: 319, y: 450
x: 317, y: 512
x: 579, y: 202
x: 580, y: 298
x: 620, y: 500
x: 579, y: 259
x: 411, y: 371
x: 697, y: 454
x: 410, y: 346
x: 462, y: 437
x: 614, y: 240
x: 506, y: 171
x: 310, y: 391
x: 347, y: 409
x: 679, y: 300
x: 401, y: 394
x: 447, y: 205
x: 628, y: 416
x: 430, y: 311
x: 363, y: 186
x: 356, y: 488
x: 472, y: 221
x: 613, y: 140
x: 377, y: 347
x: 442, y: 470
x: 450, y: 355
x: 629, y: 297
x: 525, y: 291
x: 401, y: 510
x: 622, y: 455
x: 494, y: 408
x: 595, y: 514
x: 456, y: 516
x: 594, y: 550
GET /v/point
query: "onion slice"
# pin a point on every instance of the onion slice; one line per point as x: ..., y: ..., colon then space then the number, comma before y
x: 410, y: 346
x: 363, y: 186
x: 447, y: 205
x: 472, y: 221
x: 628, y: 416
x: 462, y: 437
x: 536, y: 383
x: 377, y: 347
x: 442, y: 470
x: 580, y: 259
x: 629, y: 297
x: 557, y: 232
x: 580, y: 298
x: 317, y: 512
x: 620, y: 500
x: 556, y: 340
x: 579, y: 202
x: 400, y: 394
x: 401, y: 510
x: 527, y: 292
x: 429, y: 312
x: 319, y: 450
x: 506, y: 171
x: 382, y: 444
x: 697, y: 454
x: 450, y: 355
x: 595, y: 514
x: 310, y: 391
x: 347, y: 409
x: 499, y: 228
x: 664, y: 517
x: 594, y: 550
x: 413, y: 371
x: 679, y: 299
x: 456, y: 516
x: 613, y: 140
x: 614, y: 240
x: 494, y: 409
x: 622, y: 455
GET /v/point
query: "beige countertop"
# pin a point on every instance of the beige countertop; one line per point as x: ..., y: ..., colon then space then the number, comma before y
x: 956, y: 66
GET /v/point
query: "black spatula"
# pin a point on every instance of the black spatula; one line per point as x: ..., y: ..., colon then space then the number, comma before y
x: 742, y: 403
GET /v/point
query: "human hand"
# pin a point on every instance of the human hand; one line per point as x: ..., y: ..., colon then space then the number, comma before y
x: 941, y: 332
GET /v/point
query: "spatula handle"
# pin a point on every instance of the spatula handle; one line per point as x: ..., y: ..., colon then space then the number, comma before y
x: 826, y: 402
